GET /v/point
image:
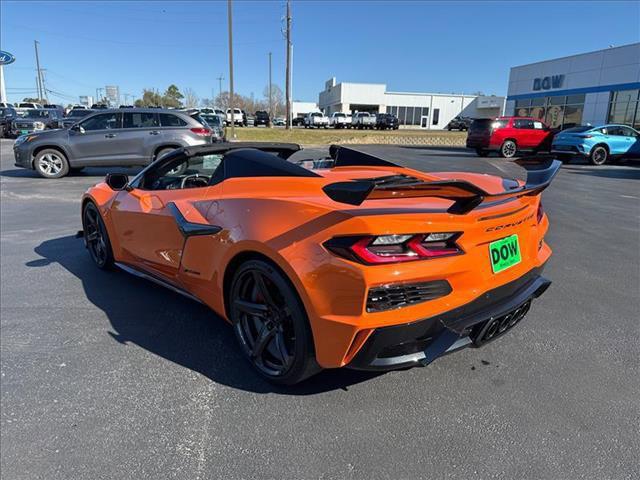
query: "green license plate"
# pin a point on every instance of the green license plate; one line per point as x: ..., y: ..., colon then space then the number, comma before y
x: 504, y: 253
x: 24, y: 132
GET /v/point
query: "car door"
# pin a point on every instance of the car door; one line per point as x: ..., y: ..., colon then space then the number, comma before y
x: 618, y: 142
x: 145, y: 218
x: 524, y: 133
x: 634, y: 142
x: 94, y: 142
x: 140, y: 132
x: 630, y: 139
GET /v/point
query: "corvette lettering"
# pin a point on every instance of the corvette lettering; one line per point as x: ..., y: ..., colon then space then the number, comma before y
x: 509, y: 225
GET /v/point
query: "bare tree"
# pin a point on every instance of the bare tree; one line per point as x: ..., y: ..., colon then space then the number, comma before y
x: 191, y: 99
x: 277, y: 97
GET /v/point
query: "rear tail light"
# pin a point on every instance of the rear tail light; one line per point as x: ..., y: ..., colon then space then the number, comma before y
x: 382, y: 249
x: 203, y: 132
x: 540, y: 212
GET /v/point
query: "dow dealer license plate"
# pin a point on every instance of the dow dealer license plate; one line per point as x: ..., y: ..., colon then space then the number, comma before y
x: 504, y: 253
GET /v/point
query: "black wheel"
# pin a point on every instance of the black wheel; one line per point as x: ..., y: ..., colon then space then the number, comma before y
x: 482, y: 153
x: 270, y: 324
x: 50, y: 163
x: 508, y: 149
x: 599, y: 155
x: 96, y: 238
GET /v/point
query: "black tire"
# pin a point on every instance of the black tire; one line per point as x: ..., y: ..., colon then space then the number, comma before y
x: 96, y: 238
x: 263, y: 305
x: 482, y: 153
x: 51, y: 163
x: 599, y: 155
x: 508, y: 149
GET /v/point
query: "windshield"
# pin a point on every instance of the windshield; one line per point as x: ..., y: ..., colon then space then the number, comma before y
x: 340, y: 115
x: 78, y: 113
x: 33, y: 113
x: 212, y: 120
x: 316, y: 114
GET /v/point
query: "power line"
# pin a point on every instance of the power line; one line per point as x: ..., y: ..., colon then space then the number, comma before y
x: 157, y: 20
x: 116, y: 42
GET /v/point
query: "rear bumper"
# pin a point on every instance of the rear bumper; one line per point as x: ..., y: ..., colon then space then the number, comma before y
x: 478, y: 143
x: 419, y: 343
x: 568, y: 150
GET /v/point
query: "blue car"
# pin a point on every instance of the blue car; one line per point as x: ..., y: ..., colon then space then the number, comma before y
x: 598, y: 144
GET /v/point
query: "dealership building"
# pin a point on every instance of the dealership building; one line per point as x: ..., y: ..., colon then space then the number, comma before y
x: 590, y: 88
x: 414, y: 110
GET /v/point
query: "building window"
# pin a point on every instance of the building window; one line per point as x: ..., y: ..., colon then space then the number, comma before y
x: 401, y: 113
x: 558, y: 112
x: 436, y: 116
x: 623, y: 107
x: 411, y: 116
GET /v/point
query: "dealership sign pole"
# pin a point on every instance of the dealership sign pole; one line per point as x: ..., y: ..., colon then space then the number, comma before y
x: 5, y: 59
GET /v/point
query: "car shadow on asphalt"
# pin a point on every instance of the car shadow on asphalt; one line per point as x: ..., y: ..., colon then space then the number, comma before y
x: 99, y: 172
x: 172, y: 326
x: 19, y: 173
x: 607, y: 172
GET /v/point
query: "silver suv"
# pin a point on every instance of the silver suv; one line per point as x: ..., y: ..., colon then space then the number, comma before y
x: 110, y: 138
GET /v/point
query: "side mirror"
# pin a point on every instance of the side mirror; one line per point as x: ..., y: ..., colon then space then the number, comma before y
x: 117, y: 181
x: 77, y: 128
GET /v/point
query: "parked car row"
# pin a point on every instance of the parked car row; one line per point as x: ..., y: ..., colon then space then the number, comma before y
x: 511, y: 136
x: 359, y: 120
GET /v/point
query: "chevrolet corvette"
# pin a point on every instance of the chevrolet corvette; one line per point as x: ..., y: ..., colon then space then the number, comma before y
x: 351, y: 261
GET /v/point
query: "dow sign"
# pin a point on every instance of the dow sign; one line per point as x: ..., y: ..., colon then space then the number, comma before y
x: 6, y: 58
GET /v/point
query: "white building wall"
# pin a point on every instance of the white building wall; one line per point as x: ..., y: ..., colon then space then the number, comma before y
x: 595, y: 74
x: 303, y: 107
x: 347, y: 97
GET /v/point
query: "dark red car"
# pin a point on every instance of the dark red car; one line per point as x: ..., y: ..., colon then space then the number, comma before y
x: 509, y: 135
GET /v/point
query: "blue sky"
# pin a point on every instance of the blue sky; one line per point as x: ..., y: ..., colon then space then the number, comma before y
x: 410, y: 46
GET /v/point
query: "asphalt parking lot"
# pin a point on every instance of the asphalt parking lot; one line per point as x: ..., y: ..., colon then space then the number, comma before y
x: 105, y: 375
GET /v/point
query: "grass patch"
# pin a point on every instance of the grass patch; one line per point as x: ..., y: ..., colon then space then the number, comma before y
x: 323, y: 137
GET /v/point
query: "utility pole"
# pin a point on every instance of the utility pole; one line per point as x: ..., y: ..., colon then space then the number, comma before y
x: 288, y: 72
x: 220, y: 78
x: 44, y: 88
x: 270, y: 91
x: 233, y: 117
x: 40, y: 87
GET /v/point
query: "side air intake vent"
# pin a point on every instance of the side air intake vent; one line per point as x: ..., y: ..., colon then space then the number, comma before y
x: 389, y: 297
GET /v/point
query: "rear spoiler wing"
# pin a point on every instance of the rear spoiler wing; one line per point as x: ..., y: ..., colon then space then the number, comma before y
x: 465, y: 195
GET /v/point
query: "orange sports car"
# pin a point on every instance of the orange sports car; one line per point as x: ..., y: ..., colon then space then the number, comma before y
x: 351, y: 261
